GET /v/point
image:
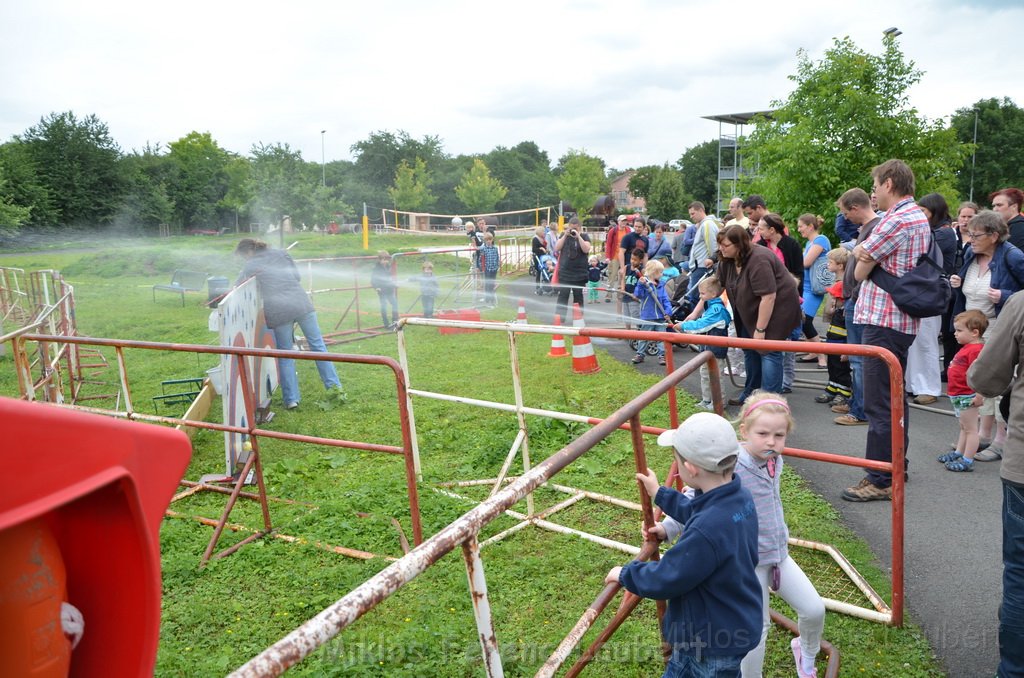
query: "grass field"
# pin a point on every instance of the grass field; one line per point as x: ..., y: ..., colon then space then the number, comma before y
x: 216, y: 618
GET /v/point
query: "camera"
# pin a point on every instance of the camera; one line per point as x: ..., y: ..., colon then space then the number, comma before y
x: 574, y: 233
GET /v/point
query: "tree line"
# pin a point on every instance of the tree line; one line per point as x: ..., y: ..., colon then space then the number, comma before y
x: 848, y: 111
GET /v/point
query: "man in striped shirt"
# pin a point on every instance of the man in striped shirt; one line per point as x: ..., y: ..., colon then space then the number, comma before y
x: 895, y: 244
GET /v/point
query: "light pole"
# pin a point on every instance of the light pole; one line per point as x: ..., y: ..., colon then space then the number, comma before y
x: 974, y: 154
x: 323, y: 162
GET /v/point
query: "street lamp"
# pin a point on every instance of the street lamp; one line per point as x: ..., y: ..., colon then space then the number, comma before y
x: 893, y: 32
x: 323, y: 163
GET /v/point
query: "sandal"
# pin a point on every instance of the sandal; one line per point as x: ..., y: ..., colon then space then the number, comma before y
x: 992, y: 453
x: 950, y: 457
x: 960, y: 465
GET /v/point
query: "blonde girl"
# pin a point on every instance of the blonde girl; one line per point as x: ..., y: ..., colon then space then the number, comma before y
x: 764, y: 423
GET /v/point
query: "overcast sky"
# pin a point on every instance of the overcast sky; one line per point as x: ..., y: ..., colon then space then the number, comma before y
x: 627, y: 80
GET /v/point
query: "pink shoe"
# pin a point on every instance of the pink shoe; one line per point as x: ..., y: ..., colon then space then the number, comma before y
x: 797, y: 653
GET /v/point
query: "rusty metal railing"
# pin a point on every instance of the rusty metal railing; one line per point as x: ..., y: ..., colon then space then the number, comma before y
x: 252, y: 429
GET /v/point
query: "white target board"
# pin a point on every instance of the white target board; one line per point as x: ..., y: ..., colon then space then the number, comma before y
x: 240, y: 323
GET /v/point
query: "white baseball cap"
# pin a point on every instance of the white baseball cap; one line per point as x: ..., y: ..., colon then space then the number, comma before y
x: 705, y: 440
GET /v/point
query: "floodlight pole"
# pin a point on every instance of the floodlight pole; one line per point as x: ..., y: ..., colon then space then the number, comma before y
x: 323, y: 161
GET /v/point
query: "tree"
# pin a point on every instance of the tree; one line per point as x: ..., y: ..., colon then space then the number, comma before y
x: 479, y: 191
x: 77, y: 162
x: 848, y: 113
x: 412, y: 187
x: 667, y: 199
x: 146, y: 203
x: 377, y: 161
x: 237, y: 197
x: 282, y: 184
x: 199, y: 180
x: 23, y: 187
x: 12, y: 216
x: 581, y: 181
x: 999, y: 157
x: 642, y: 181
x: 526, y: 171
x: 699, y: 167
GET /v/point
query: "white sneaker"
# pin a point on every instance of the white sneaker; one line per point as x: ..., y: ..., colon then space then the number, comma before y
x: 706, y: 405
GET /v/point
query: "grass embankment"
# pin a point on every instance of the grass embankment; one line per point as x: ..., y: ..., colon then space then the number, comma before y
x: 539, y: 583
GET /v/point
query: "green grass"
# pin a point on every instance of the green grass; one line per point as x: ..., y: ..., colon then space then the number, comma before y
x: 539, y: 583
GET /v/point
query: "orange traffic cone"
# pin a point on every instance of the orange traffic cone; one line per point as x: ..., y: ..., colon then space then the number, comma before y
x: 557, y: 342
x: 521, y: 316
x: 583, y: 359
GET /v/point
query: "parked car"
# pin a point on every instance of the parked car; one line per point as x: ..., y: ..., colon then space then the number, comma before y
x: 677, y: 224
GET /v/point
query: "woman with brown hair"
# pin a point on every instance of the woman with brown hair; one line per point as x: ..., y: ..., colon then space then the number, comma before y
x: 284, y: 304
x: 764, y: 301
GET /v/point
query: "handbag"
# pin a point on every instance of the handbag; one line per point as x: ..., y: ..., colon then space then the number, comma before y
x: 821, y: 277
x: 923, y: 291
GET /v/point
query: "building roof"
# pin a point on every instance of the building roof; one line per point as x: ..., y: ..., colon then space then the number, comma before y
x: 738, y: 118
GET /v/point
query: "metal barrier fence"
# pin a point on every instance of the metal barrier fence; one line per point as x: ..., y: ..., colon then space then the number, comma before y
x: 49, y: 379
x: 463, y: 533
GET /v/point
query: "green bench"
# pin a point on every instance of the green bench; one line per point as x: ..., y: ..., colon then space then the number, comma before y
x: 182, y: 281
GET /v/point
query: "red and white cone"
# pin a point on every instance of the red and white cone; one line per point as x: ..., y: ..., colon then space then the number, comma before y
x: 583, y: 359
x: 521, y: 315
x: 557, y: 342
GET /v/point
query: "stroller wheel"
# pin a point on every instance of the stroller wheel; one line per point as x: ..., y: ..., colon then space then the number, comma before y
x: 633, y: 343
x: 652, y: 348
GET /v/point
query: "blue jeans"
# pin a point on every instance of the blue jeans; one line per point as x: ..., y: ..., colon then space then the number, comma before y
x: 650, y: 326
x: 789, y: 362
x: 388, y: 298
x: 284, y: 339
x: 879, y: 408
x: 695, y: 666
x: 1011, y: 611
x: 855, y: 335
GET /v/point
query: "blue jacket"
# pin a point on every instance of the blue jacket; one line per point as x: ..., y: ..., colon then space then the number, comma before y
x: 646, y: 295
x: 1007, y: 267
x: 715, y: 316
x: 714, y: 597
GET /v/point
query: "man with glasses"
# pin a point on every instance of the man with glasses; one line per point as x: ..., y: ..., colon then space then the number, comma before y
x: 895, y: 244
x: 1007, y: 202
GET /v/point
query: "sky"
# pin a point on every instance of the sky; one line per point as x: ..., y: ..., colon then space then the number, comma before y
x: 627, y: 81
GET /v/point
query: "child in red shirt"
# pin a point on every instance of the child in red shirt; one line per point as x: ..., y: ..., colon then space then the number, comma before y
x: 968, y: 327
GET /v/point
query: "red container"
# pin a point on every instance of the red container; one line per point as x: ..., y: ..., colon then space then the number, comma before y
x: 458, y: 314
x: 101, y: 485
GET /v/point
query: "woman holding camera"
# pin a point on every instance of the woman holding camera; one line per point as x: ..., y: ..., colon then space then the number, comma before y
x: 573, y: 248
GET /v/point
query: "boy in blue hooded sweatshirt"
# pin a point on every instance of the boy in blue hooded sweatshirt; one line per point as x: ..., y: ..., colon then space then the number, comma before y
x: 655, y: 308
x: 714, y: 597
x: 714, y: 319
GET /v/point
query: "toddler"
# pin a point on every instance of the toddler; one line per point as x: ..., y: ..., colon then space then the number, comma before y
x: 840, y: 377
x: 429, y: 289
x: 654, y: 308
x: 490, y: 262
x: 714, y: 319
x: 633, y: 273
x: 594, y: 272
x: 968, y: 328
x: 383, y: 282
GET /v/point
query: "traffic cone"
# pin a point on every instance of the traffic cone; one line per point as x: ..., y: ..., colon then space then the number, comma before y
x: 521, y: 316
x: 583, y: 359
x: 557, y: 342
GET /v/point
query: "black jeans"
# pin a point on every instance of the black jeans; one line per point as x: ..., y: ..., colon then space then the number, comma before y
x: 562, y: 302
x: 877, y: 405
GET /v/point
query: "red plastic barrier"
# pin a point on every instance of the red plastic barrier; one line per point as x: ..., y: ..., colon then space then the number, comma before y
x: 471, y: 314
x: 101, y: 486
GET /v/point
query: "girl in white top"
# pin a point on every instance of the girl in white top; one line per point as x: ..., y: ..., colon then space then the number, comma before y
x: 763, y: 426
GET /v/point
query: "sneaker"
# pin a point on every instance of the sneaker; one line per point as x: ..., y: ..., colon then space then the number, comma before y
x: 824, y: 398
x: 849, y: 420
x: 842, y: 408
x: 637, y: 359
x: 786, y: 390
x: 866, y: 490
x: 925, y: 399
x: 661, y: 360
x: 290, y: 406
x: 797, y: 657
x: 706, y: 405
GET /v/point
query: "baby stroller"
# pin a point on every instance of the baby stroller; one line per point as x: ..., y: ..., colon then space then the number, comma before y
x: 652, y: 347
x: 544, y: 266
